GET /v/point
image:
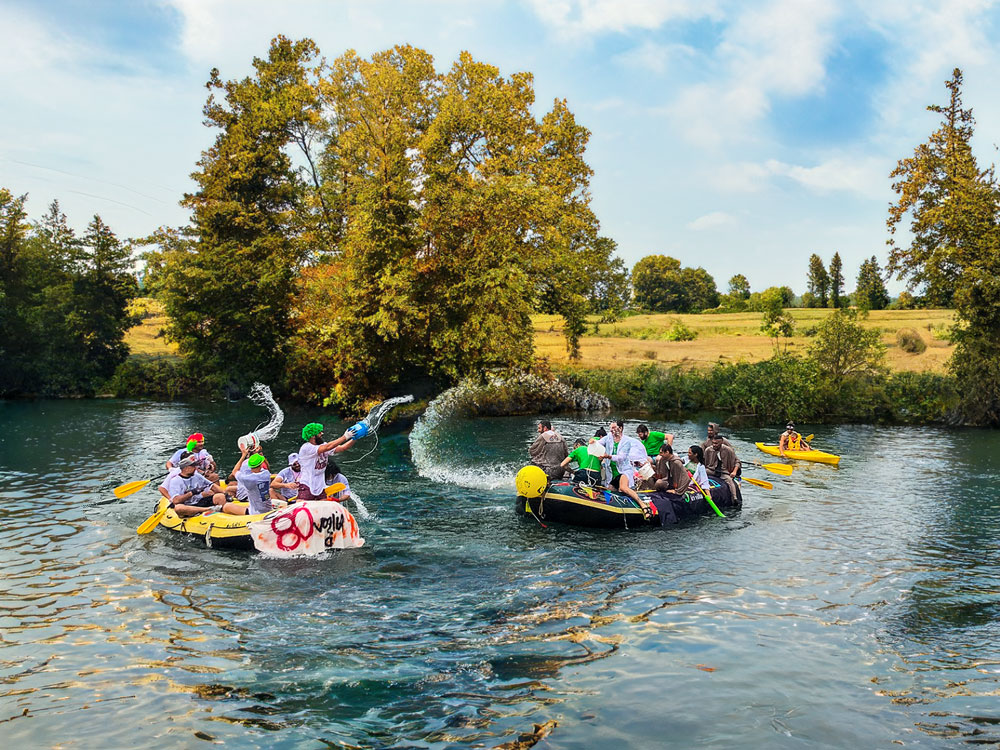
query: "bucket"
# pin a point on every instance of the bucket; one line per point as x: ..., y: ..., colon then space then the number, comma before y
x: 595, y: 449
x: 360, y: 429
x: 645, y: 471
x: 250, y: 442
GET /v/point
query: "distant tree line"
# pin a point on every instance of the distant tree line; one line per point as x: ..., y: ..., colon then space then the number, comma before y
x: 64, y: 302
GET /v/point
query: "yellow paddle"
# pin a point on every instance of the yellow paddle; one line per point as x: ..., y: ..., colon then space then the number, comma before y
x: 808, y: 438
x: 131, y: 488
x: 150, y: 523
x: 759, y: 482
x: 784, y: 470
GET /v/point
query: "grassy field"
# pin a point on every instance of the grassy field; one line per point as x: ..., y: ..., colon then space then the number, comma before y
x: 639, y: 339
x: 146, y: 338
x: 730, y: 338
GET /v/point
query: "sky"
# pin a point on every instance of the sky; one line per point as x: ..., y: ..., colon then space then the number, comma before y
x: 737, y: 136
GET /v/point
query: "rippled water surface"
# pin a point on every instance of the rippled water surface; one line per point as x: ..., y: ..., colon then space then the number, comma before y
x: 853, y: 606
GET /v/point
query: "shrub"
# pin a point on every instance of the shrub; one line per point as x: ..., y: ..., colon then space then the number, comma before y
x: 909, y: 340
x: 649, y: 354
x: 680, y: 332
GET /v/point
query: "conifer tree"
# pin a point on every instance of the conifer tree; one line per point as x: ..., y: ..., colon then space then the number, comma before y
x: 871, y: 293
x: 836, y: 281
x: 818, y: 281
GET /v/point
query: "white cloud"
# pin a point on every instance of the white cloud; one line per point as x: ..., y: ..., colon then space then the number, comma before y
x: 587, y: 17
x: 711, y: 221
x: 654, y: 57
x: 867, y: 177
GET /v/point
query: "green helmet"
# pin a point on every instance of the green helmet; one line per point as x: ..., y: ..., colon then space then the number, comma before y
x: 255, y: 460
x: 311, y: 430
x: 191, y: 445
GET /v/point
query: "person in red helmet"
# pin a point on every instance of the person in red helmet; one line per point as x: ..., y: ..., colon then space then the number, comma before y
x: 204, y: 462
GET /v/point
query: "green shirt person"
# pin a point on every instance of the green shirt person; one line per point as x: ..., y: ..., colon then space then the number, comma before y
x: 652, y: 441
x: 589, y: 471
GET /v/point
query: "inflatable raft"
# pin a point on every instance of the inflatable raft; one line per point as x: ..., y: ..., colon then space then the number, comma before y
x: 601, y: 508
x: 301, y: 528
x: 817, y: 456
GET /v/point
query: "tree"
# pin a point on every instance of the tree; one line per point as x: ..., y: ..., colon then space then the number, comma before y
x: 951, y: 204
x: 661, y: 285
x: 229, y: 294
x: 843, y: 348
x: 871, y: 293
x: 775, y: 322
x: 657, y: 284
x: 836, y: 281
x: 739, y: 286
x: 458, y: 214
x: 954, y: 253
x: 818, y: 281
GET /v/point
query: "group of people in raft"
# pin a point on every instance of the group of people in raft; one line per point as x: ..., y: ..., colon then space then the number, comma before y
x: 619, y: 461
x: 193, y: 486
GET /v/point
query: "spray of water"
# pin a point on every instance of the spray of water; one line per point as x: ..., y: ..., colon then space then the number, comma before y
x: 432, y: 431
x: 374, y: 418
x: 363, y: 511
x: 260, y: 394
x: 499, y: 394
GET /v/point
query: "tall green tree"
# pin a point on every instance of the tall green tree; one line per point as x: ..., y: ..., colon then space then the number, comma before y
x: 950, y: 201
x: 739, y: 287
x: 229, y: 296
x: 818, y: 280
x: 871, y: 293
x: 836, y: 281
x: 660, y: 284
x: 954, y: 252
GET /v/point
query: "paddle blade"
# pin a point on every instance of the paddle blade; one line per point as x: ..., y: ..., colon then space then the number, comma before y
x: 759, y: 482
x: 784, y: 470
x: 132, y: 487
x: 808, y: 438
x: 150, y: 523
x: 333, y: 489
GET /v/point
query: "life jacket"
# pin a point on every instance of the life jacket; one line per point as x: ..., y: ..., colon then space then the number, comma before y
x: 794, y: 442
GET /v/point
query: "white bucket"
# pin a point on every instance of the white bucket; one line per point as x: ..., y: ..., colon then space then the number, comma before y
x: 645, y: 471
x: 249, y: 442
x: 595, y: 449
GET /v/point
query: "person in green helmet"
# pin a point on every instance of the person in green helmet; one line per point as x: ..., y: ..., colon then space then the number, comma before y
x: 254, y: 482
x: 589, y: 471
x: 313, y: 459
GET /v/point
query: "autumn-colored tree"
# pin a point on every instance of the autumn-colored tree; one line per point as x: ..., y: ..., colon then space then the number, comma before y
x: 458, y: 213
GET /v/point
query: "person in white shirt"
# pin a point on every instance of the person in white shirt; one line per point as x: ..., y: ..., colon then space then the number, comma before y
x: 286, y: 484
x: 204, y: 461
x: 190, y: 493
x: 313, y: 459
x: 628, y: 456
x: 697, y: 457
x: 254, y: 481
x: 335, y: 476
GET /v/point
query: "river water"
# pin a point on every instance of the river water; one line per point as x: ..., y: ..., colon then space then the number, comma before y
x: 849, y: 607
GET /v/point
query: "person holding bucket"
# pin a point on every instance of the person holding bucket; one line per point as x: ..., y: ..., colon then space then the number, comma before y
x: 313, y: 459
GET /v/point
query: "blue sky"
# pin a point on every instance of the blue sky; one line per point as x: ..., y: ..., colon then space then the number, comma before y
x: 738, y: 136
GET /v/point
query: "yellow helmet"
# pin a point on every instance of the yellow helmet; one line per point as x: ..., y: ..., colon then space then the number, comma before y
x: 531, y: 481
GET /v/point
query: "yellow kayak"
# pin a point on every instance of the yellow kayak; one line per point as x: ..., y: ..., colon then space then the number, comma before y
x: 817, y: 456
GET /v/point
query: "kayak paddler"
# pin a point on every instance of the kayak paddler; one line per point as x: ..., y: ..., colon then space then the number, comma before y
x: 790, y: 440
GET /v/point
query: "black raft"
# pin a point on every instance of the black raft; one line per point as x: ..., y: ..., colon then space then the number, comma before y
x: 598, y: 507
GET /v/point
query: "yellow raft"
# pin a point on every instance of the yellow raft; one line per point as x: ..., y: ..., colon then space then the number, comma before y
x: 817, y: 456
x: 219, y: 530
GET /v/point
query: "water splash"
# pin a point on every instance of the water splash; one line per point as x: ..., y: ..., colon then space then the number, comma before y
x: 260, y: 394
x: 363, y: 511
x: 375, y: 416
x: 499, y: 395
